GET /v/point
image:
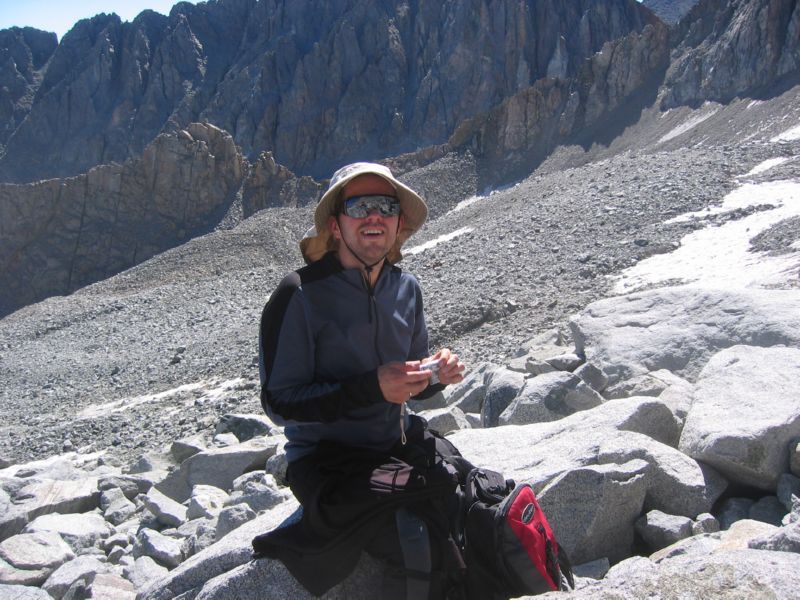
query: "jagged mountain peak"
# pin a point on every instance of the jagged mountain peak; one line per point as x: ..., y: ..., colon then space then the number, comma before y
x: 314, y: 86
x: 406, y: 83
x: 668, y: 239
x: 727, y: 48
x: 24, y: 52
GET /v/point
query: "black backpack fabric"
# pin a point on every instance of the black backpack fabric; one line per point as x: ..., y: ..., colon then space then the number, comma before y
x: 508, y: 546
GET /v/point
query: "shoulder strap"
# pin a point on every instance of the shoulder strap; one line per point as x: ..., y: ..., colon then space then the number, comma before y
x: 416, y: 546
x: 487, y: 486
x: 461, y: 465
x: 567, y: 579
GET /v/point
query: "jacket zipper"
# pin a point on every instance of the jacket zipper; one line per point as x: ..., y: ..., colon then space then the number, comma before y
x: 372, y: 309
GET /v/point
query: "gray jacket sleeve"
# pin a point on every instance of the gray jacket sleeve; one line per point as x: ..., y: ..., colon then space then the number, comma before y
x: 289, y: 391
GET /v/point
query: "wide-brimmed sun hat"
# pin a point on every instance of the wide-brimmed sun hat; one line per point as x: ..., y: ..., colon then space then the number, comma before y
x: 318, y: 240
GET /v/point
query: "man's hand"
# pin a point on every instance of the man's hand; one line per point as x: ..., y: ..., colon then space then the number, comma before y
x: 450, y: 368
x: 399, y: 381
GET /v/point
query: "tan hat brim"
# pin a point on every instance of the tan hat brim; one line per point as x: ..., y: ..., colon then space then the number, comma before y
x: 412, y: 207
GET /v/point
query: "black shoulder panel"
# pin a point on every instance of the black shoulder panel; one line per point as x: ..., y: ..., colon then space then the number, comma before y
x: 327, y: 265
x: 271, y: 319
x: 275, y: 309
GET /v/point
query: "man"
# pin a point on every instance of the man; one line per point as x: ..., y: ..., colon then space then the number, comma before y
x: 342, y: 342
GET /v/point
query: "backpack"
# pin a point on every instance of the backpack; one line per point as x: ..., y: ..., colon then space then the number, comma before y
x: 508, y: 546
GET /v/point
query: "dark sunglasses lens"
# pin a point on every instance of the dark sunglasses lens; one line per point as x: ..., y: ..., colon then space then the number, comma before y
x: 360, y: 206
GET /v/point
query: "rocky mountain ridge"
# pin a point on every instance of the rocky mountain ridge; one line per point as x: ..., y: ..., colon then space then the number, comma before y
x: 122, y: 213
x: 638, y: 433
x: 731, y: 47
x: 576, y: 94
x: 57, y: 222
x: 24, y: 53
x: 59, y: 235
x: 627, y: 312
x: 588, y: 101
x: 315, y: 86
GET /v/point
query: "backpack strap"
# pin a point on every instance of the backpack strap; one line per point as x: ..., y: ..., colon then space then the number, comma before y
x: 416, y: 546
x: 461, y: 465
x: 566, y: 579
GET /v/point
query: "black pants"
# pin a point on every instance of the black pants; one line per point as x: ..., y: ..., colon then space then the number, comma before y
x: 350, y: 495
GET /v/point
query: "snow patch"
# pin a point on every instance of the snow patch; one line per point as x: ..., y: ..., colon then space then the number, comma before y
x: 738, y: 199
x: 721, y: 256
x: 790, y: 135
x: 76, y: 459
x: 468, y: 202
x: 766, y: 166
x: 202, y: 391
x: 441, y: 239
x: 690, y: 124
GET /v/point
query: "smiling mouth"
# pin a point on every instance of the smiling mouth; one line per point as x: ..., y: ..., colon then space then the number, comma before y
x: 372, y: 232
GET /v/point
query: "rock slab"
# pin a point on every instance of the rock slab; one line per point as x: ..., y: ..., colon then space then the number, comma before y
x: 745, y: 414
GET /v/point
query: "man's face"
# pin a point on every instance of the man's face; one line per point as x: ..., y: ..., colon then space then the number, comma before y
x: 374, y: 235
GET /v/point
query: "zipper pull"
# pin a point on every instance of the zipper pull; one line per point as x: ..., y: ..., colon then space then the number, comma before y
x: 370, y: 295
x: 403, y: 439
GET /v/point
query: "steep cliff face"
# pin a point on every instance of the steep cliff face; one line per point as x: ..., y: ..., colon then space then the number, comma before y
x: 287, y: 91
x: 670, y: 11
x: 23, y: 54
x: 734, y: 47
x: 509, y: 140
x: 393, y: 76
x: 100, y: 100
x: 59, y: 235
x: 316, y: 83
x: 269, y: 184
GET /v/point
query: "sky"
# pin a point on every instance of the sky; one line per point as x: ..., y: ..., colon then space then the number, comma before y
x: 61, y: 15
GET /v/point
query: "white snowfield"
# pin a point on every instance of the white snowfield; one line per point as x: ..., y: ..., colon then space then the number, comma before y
x: 766, y: 166
x: 790, y: 135
x: 721, y: 256
x: 688, y: 125
x: 201, y: 391
x: 440, y: 240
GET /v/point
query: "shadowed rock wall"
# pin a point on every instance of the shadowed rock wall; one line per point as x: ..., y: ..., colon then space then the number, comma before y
x: 59, y: 235
x: 296, y: 89
x: 728, y: 48
x: 316, y: 83
x: 511, y: 139
x: 23, y: 54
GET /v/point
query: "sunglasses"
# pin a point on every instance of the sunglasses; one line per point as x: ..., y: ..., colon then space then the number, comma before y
x: 359, y: 207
